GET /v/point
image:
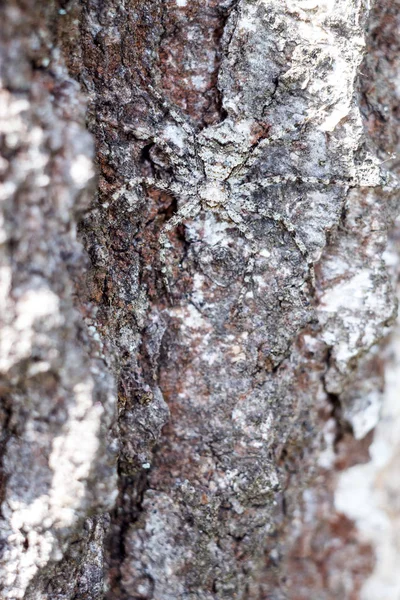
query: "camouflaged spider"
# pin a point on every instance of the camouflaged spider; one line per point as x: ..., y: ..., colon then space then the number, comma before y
x: 207, y: 172
x: 207, y: 167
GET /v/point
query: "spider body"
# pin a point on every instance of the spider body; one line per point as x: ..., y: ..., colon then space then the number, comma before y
x: 213, y: 194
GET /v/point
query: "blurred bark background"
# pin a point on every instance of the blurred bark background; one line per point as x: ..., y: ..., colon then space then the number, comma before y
x: 199, y: 356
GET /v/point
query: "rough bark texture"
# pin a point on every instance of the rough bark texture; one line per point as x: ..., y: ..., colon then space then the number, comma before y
x: 194, y: 342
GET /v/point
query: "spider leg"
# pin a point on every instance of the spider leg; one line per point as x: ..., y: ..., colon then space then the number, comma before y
x: 174, y: 114
x: 169, y: 151
x: 290, y: 228
x: 299, y: 243
x: 188, y: 210
x: 292, y: 178
x: 238, y: 220
x: 151, y: 182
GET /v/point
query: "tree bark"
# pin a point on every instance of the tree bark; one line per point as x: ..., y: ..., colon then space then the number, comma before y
x: 198, y: 289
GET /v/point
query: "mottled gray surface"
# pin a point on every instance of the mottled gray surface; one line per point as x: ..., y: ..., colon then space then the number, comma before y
x: 235, y: 288
x: 58, y: 400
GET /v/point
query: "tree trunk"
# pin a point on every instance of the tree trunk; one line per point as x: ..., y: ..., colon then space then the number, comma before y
x: 198, y: 291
